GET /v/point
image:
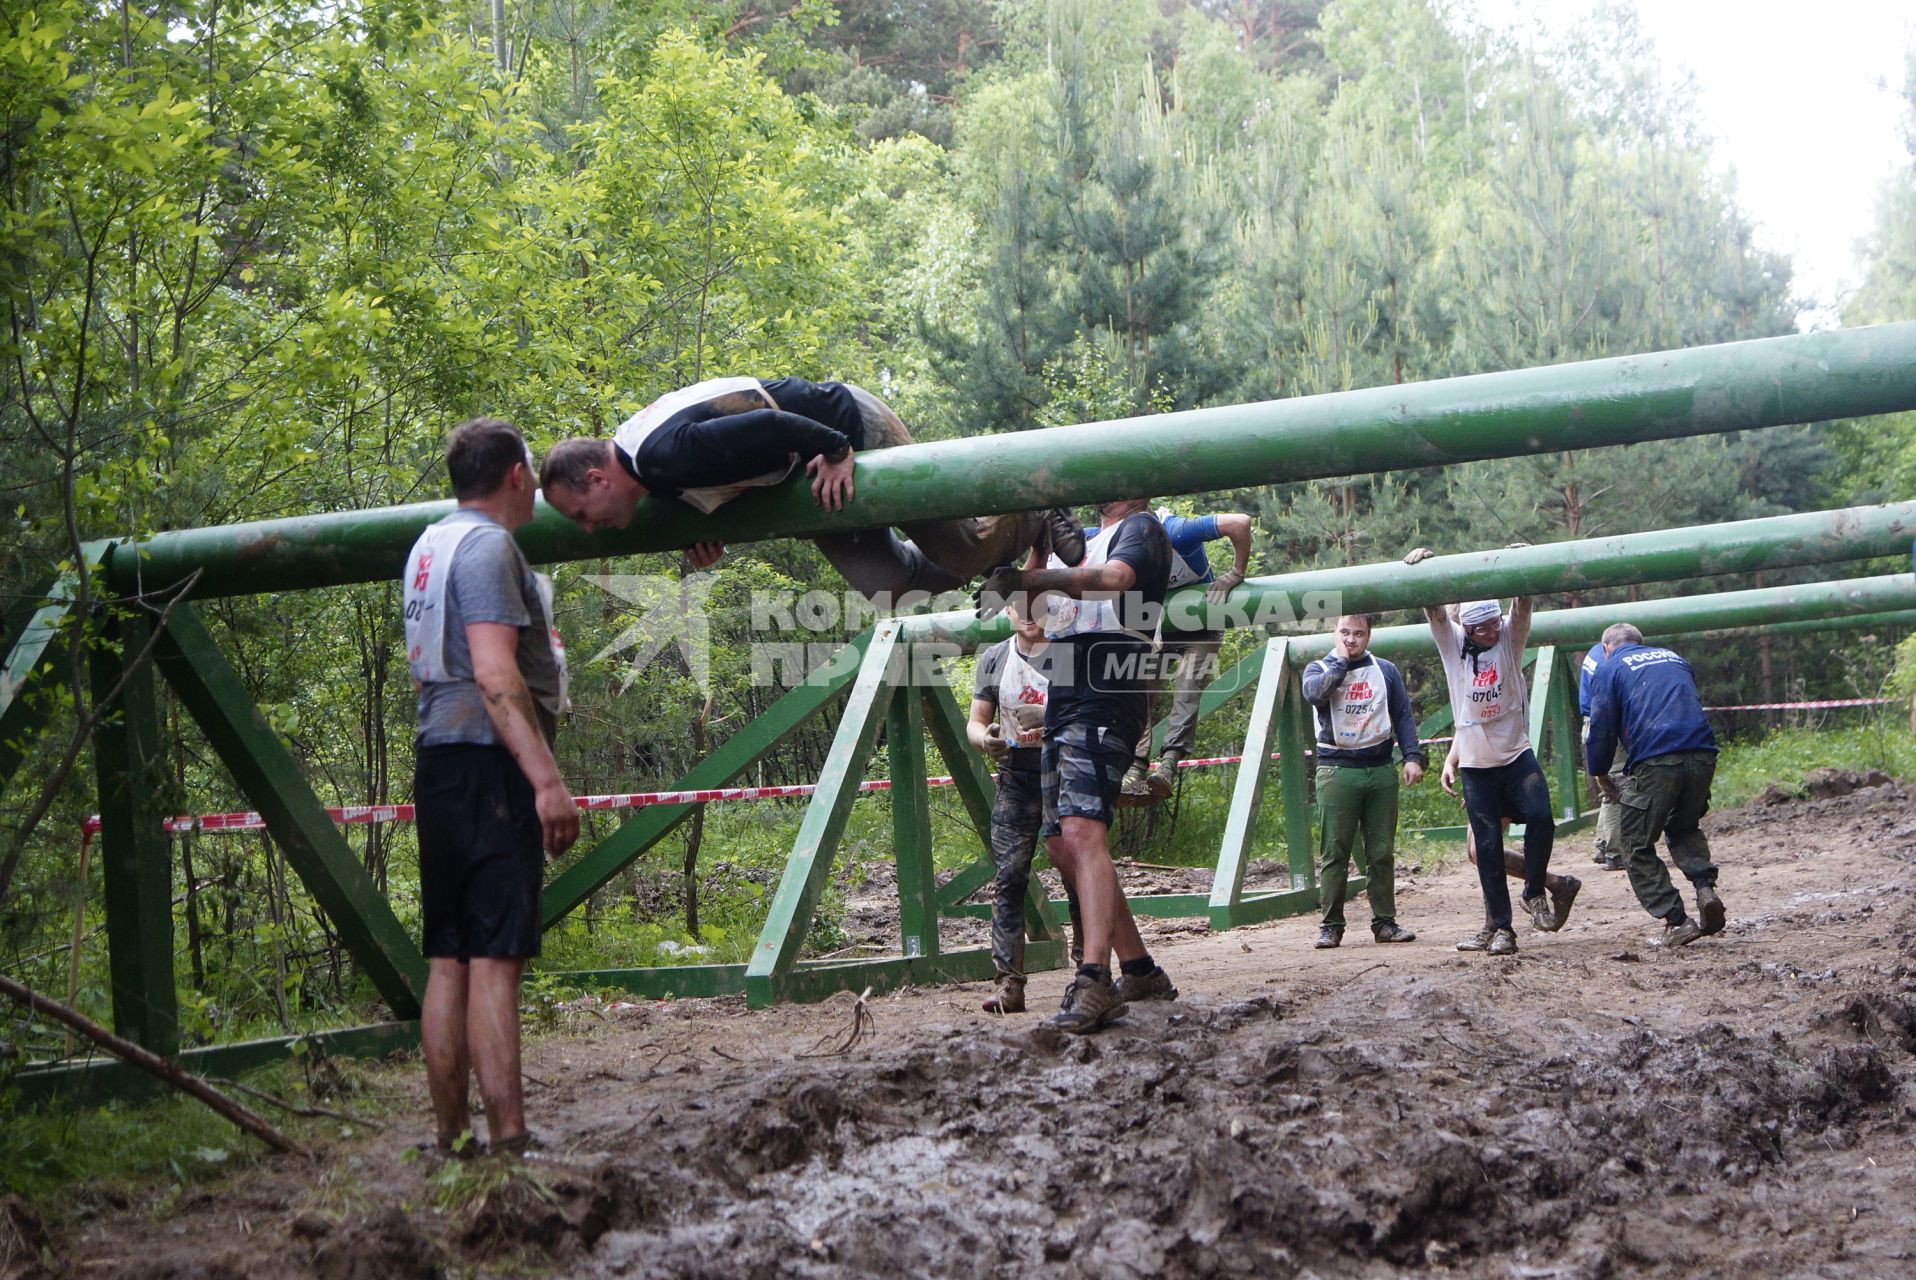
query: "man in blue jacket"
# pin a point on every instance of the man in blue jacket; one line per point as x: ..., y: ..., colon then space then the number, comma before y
x: 1645, y: 698
x: 1609, y: 842
x: 1362, y: 711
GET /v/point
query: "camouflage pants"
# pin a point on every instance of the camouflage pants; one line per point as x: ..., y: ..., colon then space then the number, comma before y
x: 1016, y: 816
x: 1666, y: 797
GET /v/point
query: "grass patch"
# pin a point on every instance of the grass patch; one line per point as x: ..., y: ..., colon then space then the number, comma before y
x: 1785, y: 755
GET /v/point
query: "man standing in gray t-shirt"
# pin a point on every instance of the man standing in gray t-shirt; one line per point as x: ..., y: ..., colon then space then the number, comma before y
x: 489, y: 802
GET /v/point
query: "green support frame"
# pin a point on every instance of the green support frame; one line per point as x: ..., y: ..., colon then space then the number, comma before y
x: 135, y: 861
x: 267, y: 774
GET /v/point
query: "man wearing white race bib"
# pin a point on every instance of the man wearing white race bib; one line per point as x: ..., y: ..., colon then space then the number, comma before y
x: 1361, y: 710
x: 707, y: 444
x: 1482, y: 653
x: 489, y: 803
x: 1007, y: 724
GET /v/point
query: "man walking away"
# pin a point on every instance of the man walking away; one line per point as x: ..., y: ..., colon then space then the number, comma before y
x: 1361, y: 708
x: 1647, y: 697
x: 490, y: 805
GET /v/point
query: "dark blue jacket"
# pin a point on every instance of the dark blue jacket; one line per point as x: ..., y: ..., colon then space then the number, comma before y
x: 1591, y: 661
x: 1646, y: 699
x: 1324, y: 677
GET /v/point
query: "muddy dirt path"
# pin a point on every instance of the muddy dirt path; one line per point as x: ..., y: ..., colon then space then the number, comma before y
x: 1591, y: 1107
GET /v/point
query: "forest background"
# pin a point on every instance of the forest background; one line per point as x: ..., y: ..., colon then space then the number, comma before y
x: 257, y: 259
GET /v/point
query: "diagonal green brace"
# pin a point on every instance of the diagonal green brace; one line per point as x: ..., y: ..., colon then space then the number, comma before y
x: 741, y: 751
x: 790, y: 916
x: 135, y: 857
x: 27, y: 677
x: 1293, y: 735
x: 1247, y: 792
x: 268, y: 775
x: 1233, y: 680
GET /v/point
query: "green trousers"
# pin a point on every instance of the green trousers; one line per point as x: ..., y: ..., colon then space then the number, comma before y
x: 1667, y: 796
x: 1353, y: 800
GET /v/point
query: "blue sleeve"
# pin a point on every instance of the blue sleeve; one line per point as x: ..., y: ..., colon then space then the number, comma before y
x: 1605, y: 715
x: 1591, y: 661
x: 1322, y: 678
x: 1403, y: 716
x: 1191, y: 529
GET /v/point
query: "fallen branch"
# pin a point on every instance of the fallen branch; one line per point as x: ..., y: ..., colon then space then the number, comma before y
x: 293, y: 1107
x: 153, y: 1064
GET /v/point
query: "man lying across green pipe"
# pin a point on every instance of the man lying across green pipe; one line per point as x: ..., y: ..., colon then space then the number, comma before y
x: 706, y: 444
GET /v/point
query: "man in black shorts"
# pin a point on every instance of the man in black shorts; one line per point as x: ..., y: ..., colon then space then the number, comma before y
x: 1102, y: 619
x: 707, y: 444
x: 488, y: 798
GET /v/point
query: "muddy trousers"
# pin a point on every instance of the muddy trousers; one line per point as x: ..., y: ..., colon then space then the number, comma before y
x: 1355, y: 800
x: 1667, y: 796
x: 935, y: 555
x: 1609, y: 814
x: 1197, y: 666
x: 1016, y: 817
x: 1516, y: 791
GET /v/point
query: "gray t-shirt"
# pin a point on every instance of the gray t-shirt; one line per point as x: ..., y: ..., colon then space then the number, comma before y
x: 490, y: 582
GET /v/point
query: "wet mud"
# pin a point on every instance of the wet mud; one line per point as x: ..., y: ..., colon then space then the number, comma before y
x: 1591, y: 1107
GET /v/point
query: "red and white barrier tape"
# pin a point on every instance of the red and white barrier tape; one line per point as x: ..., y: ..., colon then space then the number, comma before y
x: 361, y: 814
x: 1822, y: 705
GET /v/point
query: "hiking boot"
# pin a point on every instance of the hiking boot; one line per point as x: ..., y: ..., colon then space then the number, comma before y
x: 1009, y: 998
x: 1503, y: 942
x: 1612, y: 861
x: 1064, y: 536
x: 1542, y: 918
x: 1680, y: 935
x: 1390, y: 931
x: 1601, y: 856
x: 1562, y: 894
x: 1329, y: 936
x: 1134, y: 792
x: 1478, y: 941
x: 1088, y: 1004
x: 1709, y: 909
x: 1158, y: 780
x: 1155, y: 985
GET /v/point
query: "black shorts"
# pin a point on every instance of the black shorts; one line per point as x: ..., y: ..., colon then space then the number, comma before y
x: 481, y: 854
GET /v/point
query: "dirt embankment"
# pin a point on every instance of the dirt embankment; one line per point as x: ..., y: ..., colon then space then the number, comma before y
x: 1591, y: 1107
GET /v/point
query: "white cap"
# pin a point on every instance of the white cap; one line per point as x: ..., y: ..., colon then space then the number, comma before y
x: 1479, y: 611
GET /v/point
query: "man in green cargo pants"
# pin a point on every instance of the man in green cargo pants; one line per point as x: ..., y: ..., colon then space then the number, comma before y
x: 1362, y: 710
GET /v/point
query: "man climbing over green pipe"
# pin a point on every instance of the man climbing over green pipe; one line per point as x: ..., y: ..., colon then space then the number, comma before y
x: 706, y: 444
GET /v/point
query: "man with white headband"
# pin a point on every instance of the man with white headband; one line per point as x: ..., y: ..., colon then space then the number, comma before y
x: 1482, y: 652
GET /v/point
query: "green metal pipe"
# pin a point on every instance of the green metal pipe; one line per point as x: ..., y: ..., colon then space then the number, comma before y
x: 1894, y: 621
x: 1823, y: 602
x: 1663, y: 395
x: 1663, y: 555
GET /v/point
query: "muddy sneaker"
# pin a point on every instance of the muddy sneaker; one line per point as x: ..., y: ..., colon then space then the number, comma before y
x: 1088, y: 1004
x: 1158, y: 780
x: 1709, y: 910
x: 1329, y: 936
x: 1680, y: 935
x: 1562, y: 894
x: 1541, y: 916
x: 1009, y: 998
x: 1612, y: 861
x: 1155, y: 985
x: 1064, y: 536
x: 1478, y: 941
x: 1390, y: 931
x: 1503, y: 942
